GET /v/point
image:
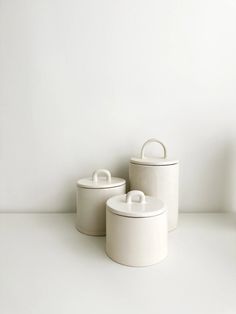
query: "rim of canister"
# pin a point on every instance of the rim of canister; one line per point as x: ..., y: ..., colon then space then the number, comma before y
x: 145, y: 206
x: 150, y: 161
x: 101, y: 179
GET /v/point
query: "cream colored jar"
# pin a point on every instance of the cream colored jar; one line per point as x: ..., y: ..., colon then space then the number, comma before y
x: 92, y: 194
x: 136, y: 229
x: 157, y: 177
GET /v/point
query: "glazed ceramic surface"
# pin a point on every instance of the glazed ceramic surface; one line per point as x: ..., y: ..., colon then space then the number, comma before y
x: 92, y: 194
x: 136, y: 229
x: 157, y: 177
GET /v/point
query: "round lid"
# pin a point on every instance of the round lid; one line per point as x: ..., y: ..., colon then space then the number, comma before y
x: 101, y: 179
x: 135, y: 204
x: 151, y: 161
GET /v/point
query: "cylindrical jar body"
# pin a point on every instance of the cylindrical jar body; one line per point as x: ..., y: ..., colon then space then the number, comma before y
x: 159, y: 181
x: 91, y: 208
x: 136, y: 241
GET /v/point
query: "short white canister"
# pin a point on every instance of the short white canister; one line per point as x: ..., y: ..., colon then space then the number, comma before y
x: 92, y: 194
x: 157, y: 177
x: 136, y: 229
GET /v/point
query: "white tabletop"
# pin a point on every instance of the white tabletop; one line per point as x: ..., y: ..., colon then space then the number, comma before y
x: 47, y: 267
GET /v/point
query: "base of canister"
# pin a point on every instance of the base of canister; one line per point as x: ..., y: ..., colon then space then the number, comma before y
x: 91, y: 233
x: 138, y: 266
x: 172, y: 226
x: 172, y: 229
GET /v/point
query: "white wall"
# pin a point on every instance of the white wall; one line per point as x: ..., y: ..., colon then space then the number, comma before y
x: 83, y: 83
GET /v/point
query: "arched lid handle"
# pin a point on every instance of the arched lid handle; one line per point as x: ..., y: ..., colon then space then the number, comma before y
x: 153, y: 140
x: 131, y: 194
x: 99, y: 172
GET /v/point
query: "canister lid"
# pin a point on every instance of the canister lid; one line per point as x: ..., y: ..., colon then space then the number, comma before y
x: 135, y: 204
x: 150, y: 161
x: 101, y: 179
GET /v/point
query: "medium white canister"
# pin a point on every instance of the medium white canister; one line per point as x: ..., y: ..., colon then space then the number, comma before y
x: 136, y: 229
x: 157, y: 177
x: 92, y: 194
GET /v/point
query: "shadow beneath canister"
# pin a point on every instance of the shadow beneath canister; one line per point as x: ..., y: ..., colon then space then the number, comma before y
x: 229, y: 180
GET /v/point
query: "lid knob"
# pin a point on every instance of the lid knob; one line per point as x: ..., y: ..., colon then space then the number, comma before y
x: 134, y: 193
x: 153, y: 140
x: 98, y: 172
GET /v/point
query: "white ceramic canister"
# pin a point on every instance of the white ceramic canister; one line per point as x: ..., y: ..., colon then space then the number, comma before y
x: 92, y: 194
x: 157, y: 177
x: 137, y: 229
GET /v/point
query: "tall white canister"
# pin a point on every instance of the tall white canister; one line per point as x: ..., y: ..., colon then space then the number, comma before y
x: 157, y: 177
x: 92, y: 194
